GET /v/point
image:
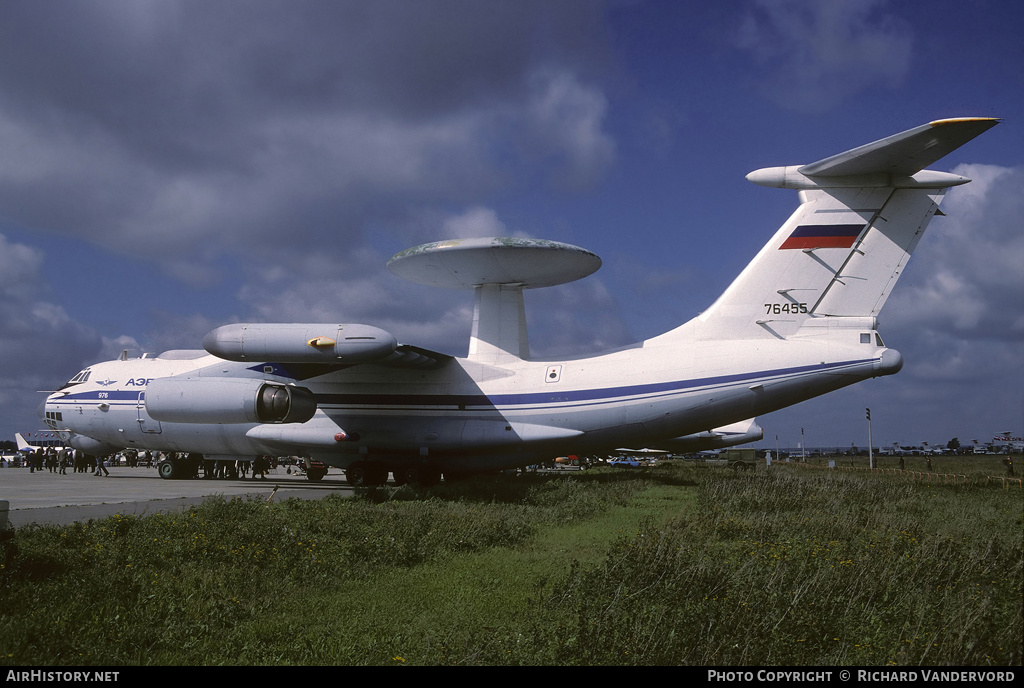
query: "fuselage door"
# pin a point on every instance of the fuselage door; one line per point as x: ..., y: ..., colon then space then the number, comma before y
x: 146, y: 424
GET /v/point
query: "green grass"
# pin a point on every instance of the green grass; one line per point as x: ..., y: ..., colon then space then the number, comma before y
x: 674, y: 565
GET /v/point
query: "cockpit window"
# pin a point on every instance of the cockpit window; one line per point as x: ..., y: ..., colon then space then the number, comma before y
x: 78, y: 379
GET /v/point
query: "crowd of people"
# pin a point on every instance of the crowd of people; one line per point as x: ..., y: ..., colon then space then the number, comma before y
x: 58, y: 460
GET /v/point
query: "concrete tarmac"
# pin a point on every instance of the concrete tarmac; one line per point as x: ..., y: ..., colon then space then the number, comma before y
x: 53, y: 499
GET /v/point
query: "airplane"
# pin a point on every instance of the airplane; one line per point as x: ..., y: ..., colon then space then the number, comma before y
x: 979, y: 448
x: 26, y: 447
x: 44, y: 440
x: 9, y: 458
x: 798, y: 322
x: 897, y: 450
x: 1008, y: 442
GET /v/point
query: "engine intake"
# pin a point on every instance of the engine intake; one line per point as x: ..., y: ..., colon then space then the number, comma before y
x: 283, y: 404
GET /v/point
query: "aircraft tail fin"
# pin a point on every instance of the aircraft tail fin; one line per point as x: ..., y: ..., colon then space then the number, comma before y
x: 23, y: 445
x: 861, y: 215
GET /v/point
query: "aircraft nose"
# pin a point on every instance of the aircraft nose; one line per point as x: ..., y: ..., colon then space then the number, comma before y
x: 41, y: 411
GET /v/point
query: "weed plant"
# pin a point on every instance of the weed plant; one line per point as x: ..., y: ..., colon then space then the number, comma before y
x: 169, y: 588
x: 675, y: 565
x: 802, y: 569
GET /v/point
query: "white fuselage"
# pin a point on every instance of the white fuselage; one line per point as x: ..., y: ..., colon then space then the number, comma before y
x: 467, y: 414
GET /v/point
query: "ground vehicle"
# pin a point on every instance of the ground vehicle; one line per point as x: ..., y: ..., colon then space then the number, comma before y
x: 629, y: 462
x: 315, y: 470
x: 740, y: 459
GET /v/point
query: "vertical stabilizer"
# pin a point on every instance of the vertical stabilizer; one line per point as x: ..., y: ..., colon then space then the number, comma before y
x: 839, y: 255
x: 22, y: 443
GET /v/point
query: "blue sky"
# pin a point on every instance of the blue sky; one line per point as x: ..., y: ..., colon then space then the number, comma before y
x: 169, y: 167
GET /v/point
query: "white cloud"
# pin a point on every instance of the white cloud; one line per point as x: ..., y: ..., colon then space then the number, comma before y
x: 41, y: 346
x: 296, y: 131
x: 966, y: 277
x: 957, y: 314
x: 566, y: 121
x: 816, y: 54
x: 475, y: 222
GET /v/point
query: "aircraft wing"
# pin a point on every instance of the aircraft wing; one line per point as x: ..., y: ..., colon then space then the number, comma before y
x: 404, y: 356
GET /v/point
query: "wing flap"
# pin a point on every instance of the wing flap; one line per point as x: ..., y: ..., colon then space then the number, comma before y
x: 409, y: 356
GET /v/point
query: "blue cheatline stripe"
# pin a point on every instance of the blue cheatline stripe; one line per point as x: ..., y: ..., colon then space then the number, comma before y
x: 599, y: 395
x: 560, y: 398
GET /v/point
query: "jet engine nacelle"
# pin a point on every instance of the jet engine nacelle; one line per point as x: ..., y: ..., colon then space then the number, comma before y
x: 300, y: 343
x: 227, y: 400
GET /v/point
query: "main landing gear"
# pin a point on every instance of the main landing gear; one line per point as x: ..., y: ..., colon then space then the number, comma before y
x: 175, y: 468
x: 367, y: 474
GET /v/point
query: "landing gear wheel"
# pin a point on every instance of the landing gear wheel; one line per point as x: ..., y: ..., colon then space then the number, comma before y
x: 355, y: 474
x: 363, y: 474
x: 416, y: 474
x: 166, y: 470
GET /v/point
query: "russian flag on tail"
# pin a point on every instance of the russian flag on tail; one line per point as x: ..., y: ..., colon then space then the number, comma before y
x: 822, y: 236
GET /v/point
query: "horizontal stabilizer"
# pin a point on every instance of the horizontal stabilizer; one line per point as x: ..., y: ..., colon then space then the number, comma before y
x: 903, y: 154
x: 719, y: 438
